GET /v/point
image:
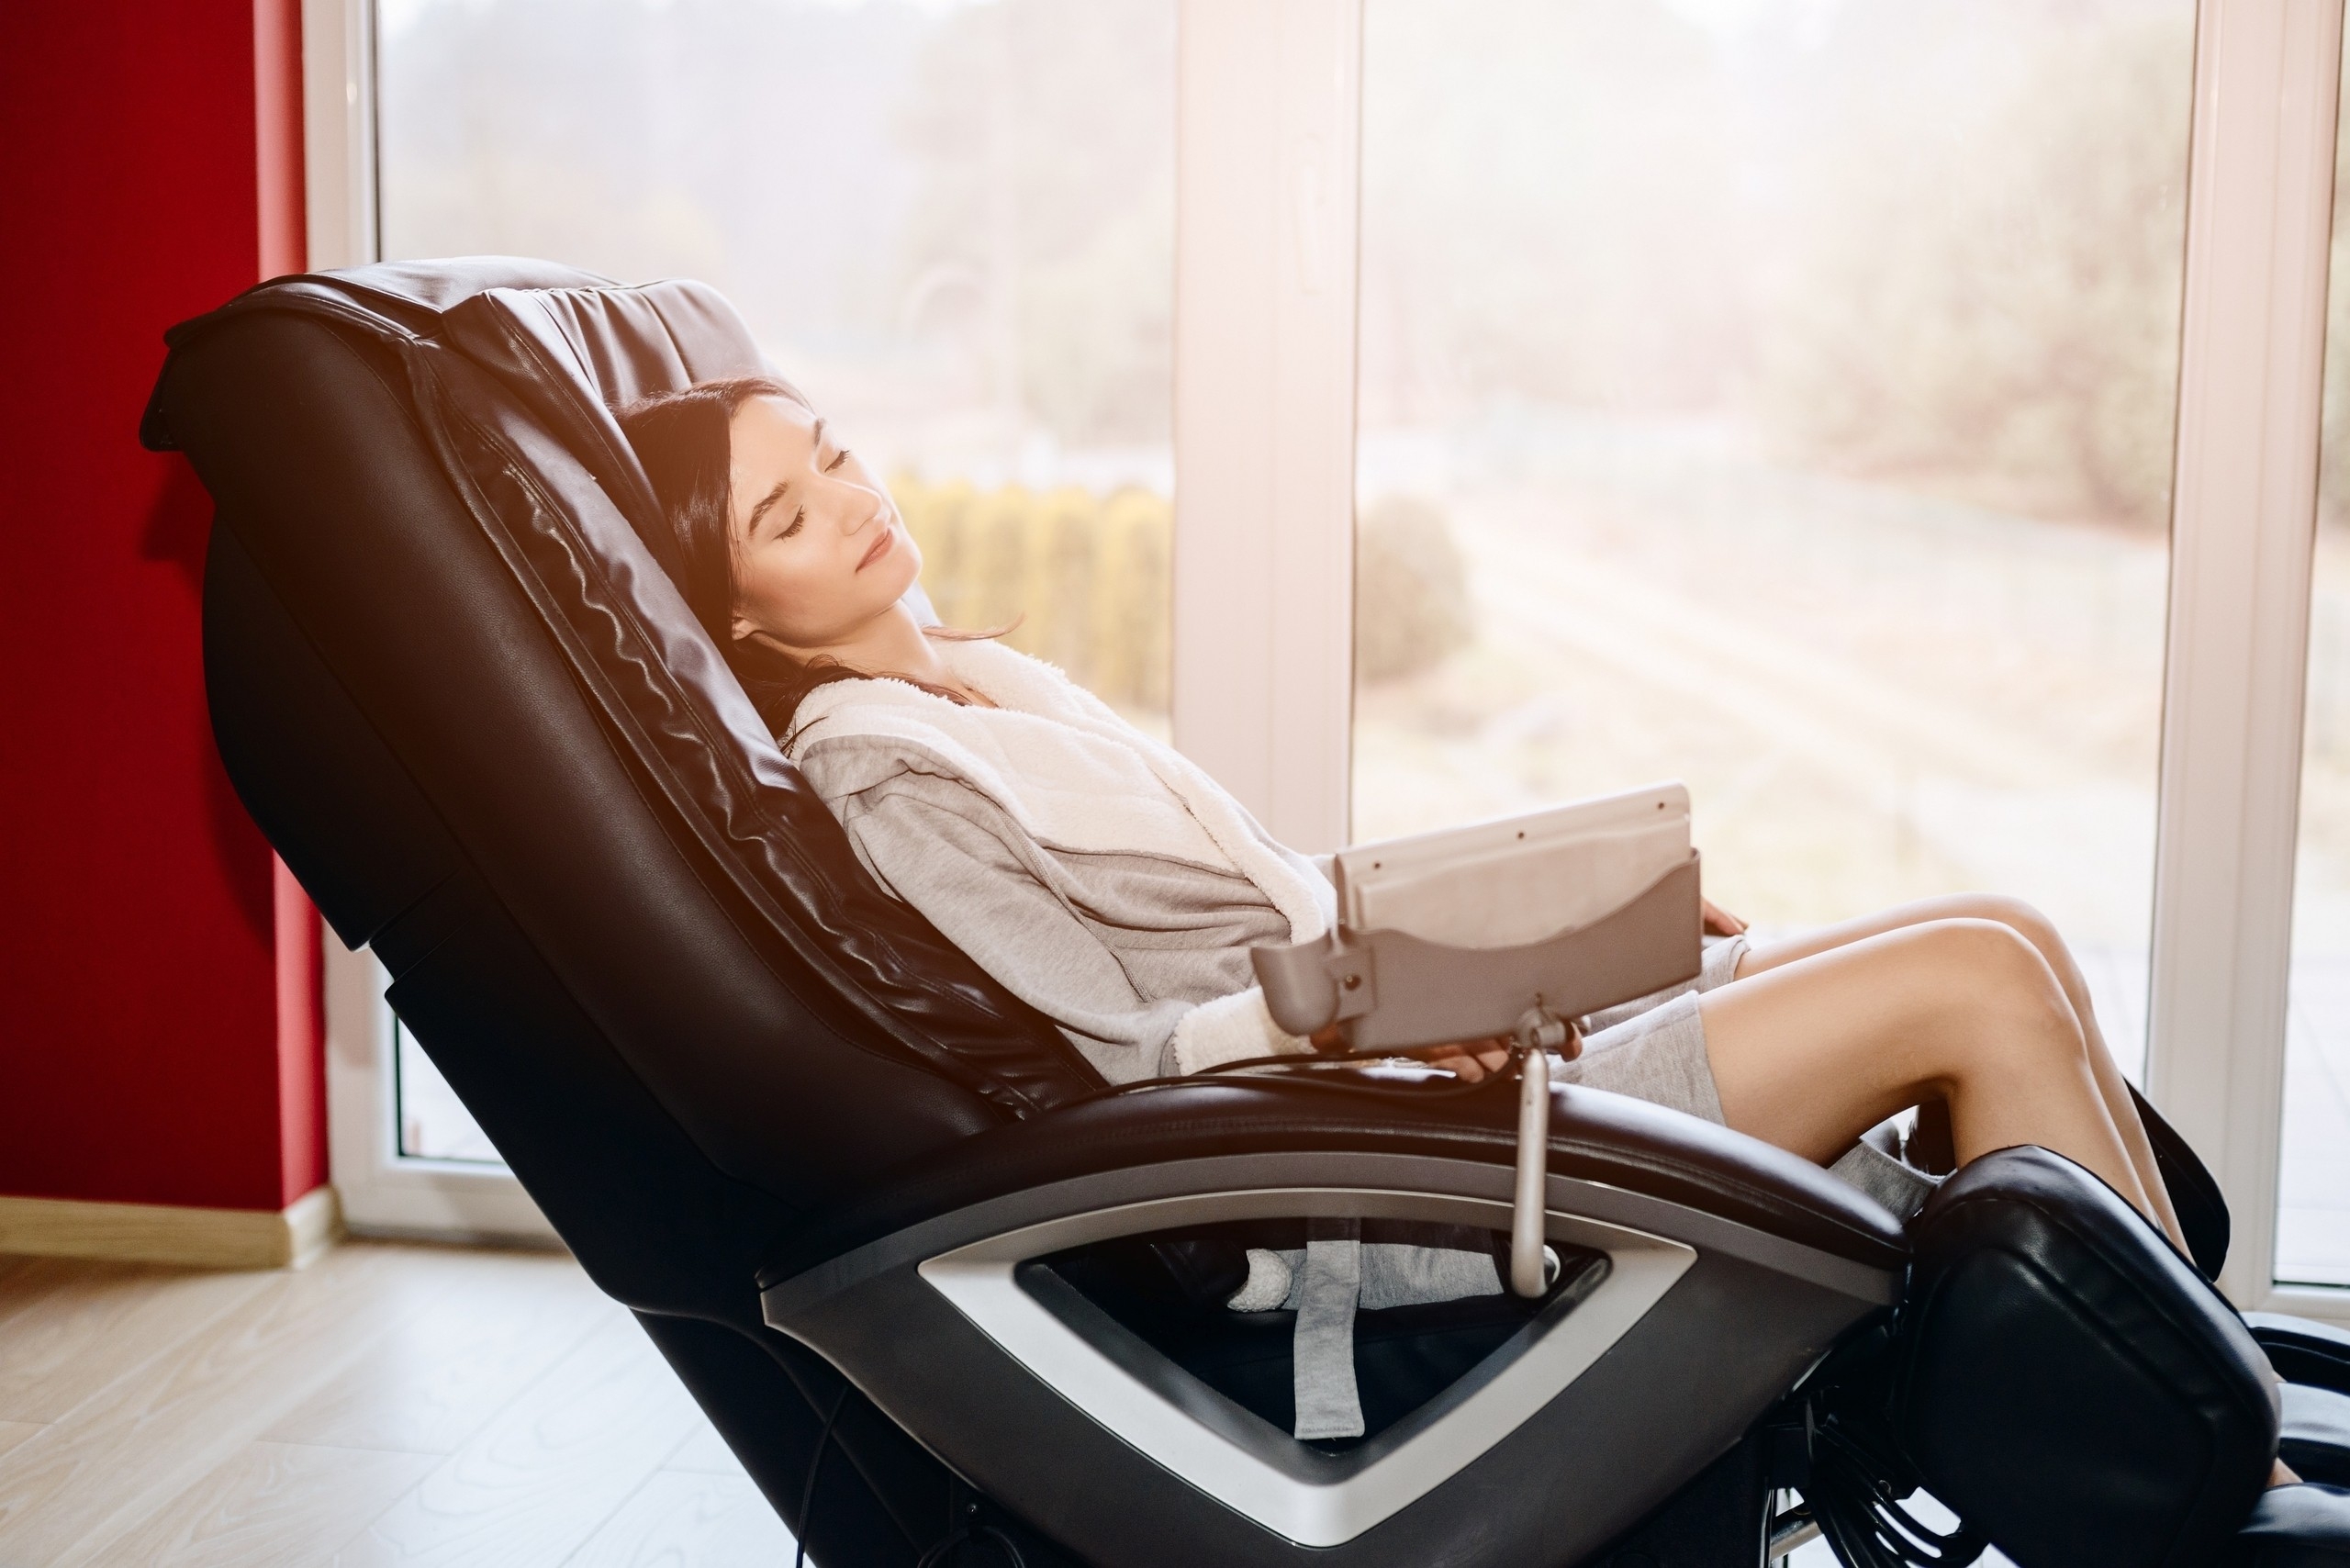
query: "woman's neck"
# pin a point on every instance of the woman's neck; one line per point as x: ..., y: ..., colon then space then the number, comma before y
x: 891, y: 644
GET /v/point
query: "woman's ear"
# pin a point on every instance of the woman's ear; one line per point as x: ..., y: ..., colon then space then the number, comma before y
x: 742, y: 627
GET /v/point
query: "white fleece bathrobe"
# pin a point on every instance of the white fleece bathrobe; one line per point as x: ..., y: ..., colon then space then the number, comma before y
x: 1101, y: 876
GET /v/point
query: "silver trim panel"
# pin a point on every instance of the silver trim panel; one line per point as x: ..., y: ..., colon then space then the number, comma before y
x: 1312, y: 1499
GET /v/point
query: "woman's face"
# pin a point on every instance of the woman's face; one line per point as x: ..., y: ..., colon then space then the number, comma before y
x: 819, y: 548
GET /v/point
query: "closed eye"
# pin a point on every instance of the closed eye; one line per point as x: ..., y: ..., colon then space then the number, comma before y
x: 837, y: 461
x: 796, y: 518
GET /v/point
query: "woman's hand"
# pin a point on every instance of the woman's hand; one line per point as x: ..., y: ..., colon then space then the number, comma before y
x: 1717, y: 921
x: 1470, y: 1061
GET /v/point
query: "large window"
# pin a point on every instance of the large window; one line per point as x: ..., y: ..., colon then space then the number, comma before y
x: 2313, y: 1188
x: 1779, y: 397
x: 1785, y: 395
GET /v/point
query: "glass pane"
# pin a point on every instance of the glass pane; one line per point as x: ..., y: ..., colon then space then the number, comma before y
x: 433, y: 1123
x: 1777, y: 395
x: 950, y: 221
x: 2313, y: 1189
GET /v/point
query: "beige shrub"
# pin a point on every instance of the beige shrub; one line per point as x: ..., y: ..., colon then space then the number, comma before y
x: 1084, y: 576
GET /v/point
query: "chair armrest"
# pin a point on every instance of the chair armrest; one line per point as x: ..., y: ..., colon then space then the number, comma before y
x: 1595, y: 1137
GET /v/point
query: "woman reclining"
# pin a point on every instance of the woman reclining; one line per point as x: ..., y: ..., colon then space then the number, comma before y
x: 1112, y: 885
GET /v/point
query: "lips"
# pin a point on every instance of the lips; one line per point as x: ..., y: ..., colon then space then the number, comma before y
x: 880, y: 546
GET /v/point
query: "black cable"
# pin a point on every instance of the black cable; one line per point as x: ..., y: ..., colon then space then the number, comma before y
x: 1865, y: 1527
x: 1319, y: 1065
x: 815, y: 1461
x: 964, y: 1536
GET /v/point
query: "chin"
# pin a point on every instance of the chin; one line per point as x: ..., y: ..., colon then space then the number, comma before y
x: 903, y: 568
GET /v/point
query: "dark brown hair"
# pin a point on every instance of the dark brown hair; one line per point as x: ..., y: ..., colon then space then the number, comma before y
x: 683, y: 440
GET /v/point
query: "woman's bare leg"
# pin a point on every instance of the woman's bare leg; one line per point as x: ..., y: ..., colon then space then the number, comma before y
x: 1810, y: 1052
x: 2034, y: 928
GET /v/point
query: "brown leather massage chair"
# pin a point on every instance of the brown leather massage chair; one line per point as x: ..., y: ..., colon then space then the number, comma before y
x: 948, y: 1296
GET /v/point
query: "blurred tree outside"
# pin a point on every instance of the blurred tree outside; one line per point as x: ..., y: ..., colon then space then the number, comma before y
x: 1938, y: 242
x: 1046, y: 181
x: 1984, y: 293
x: 953, y: 224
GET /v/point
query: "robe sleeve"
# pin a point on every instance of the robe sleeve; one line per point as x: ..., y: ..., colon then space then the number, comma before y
x: 950, y: 852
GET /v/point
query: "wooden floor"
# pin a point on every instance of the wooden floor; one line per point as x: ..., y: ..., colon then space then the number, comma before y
x: 386, y: 1405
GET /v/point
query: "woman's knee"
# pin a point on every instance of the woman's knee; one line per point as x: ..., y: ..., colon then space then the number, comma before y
x: 2001, y: 980
x: 2018, y: 916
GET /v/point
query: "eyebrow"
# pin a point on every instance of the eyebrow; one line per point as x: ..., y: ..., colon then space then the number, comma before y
x: 751, y: 525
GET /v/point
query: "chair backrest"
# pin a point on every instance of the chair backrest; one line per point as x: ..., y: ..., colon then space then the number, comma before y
x: 452, y: 682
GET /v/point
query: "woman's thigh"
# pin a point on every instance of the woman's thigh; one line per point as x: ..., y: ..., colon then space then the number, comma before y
x: 1815, y: 1049
x: 2014, y: 913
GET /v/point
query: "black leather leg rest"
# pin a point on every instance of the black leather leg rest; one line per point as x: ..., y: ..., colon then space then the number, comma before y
x: 2315, y: 1436
x: 2296, y: 1527
x: 2068, y: 1383
x: 1715, y: 1300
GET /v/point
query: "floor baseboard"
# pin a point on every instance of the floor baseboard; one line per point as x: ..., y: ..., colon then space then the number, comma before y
x: 163, y: 1233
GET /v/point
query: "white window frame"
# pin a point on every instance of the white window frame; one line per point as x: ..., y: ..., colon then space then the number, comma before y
x: 1268, y: 233
x: 1268, y: 112
x: 2260, y: 193
x: 382, y: 1191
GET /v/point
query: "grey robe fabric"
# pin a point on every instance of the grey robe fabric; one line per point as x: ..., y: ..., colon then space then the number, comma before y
x: 1114, y: 948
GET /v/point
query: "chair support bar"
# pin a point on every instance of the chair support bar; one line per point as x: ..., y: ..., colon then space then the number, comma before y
x: 1527, y: 1276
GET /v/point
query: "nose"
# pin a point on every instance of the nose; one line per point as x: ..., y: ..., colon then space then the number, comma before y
x: 863, y: 506
x: 860, y: 503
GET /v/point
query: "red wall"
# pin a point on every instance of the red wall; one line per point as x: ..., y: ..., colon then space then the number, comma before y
x: 158, y: 1017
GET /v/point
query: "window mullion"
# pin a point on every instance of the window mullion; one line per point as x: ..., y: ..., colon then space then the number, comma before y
x: 338, y: 131
x: 2259, y: 193
x: 1267, y: 160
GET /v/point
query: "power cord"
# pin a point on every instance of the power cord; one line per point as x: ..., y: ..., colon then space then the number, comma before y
x: 1326, y: 1065
x: 1851, y: 1499
x: 815, y: 1462
x: 972, y: 1529
x: 963, y: 1535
